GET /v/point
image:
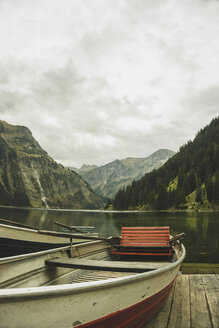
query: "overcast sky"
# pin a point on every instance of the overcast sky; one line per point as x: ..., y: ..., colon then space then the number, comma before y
x: 97, y: 80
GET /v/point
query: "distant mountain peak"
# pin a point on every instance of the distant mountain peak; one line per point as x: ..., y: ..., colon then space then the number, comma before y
x: 88, y: 167
x: 107, y: 179
x: 84, y: 168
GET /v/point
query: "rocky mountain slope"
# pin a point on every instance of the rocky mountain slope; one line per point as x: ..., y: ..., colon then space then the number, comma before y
x: 30, y: 177
x: 106, y: 180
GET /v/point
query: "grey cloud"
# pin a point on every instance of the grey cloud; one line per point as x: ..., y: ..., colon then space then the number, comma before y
x: 58, y: 87
x: 9, y: 101
x: 10, y: 71
x: 101, y: 80
x: 103, y: 40
x: 4, y: 79
x: 199, y: 108
x: 204, y: 101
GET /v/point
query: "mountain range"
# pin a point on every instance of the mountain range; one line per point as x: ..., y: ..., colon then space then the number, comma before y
x: 107, y: 179
x: 188, y: 179
x: 30, y: 177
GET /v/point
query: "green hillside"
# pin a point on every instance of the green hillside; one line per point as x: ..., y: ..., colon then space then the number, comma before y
x: 188, y: 180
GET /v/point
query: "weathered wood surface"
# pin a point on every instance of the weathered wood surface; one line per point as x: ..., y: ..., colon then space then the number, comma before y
x: 193, y: 302
x: 106, y: 265
x: 200, y: 268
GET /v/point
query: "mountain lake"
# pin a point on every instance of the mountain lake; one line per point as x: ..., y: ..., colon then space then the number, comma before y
x: 201, y: 228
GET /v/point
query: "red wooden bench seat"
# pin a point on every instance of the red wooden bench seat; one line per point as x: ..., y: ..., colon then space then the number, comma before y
x: 153, y: 241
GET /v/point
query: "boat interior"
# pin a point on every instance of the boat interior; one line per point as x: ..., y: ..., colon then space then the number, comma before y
x: 84, y: 262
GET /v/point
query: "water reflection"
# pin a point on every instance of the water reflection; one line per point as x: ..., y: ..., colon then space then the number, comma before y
x: 201, y: 228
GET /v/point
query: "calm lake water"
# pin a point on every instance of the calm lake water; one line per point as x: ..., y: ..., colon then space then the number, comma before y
x: 202, y: 229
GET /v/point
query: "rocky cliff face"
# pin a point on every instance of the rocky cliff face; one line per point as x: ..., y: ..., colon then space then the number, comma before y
x: 30, y: 177
x: 106, y: 180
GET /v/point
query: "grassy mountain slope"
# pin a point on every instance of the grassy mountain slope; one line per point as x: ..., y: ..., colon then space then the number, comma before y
x: 30, y: 177
x: 188, y: 180
x: 107, y: 179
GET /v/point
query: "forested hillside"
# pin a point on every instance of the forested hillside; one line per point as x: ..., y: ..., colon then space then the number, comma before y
x: 188, y: 180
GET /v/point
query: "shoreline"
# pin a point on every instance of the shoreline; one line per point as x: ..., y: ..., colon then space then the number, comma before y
x: 112, y: 210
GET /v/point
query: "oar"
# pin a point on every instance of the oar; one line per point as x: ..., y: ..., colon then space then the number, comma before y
x: 111, y: 240
x: 62, y: 234
x: 69, y: 227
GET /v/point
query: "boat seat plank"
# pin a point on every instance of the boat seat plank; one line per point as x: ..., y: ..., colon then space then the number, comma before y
x: 150, y: 246
x: 147, y: 241
x: 119, y: 266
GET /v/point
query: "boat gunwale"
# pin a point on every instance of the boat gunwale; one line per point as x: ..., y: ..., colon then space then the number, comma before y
x: 17, y: 228
x: 65, y: 289
x: 21, y: 257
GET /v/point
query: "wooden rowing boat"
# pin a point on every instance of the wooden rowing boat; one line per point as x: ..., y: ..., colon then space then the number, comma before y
x: 18, y: 238
x: 85, y: 286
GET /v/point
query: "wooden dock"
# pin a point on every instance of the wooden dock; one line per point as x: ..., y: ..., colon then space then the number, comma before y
x: 193, y: 303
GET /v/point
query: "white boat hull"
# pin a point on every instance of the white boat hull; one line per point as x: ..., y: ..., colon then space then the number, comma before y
x: 126, y: 301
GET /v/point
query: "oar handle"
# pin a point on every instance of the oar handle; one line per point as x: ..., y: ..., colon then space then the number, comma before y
x: 178, y: 237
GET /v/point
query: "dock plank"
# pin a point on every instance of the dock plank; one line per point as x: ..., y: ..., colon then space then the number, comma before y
x: 180, y: 311
x: 200, y: 316
x: 192, y: 303
x: 211, y: 286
